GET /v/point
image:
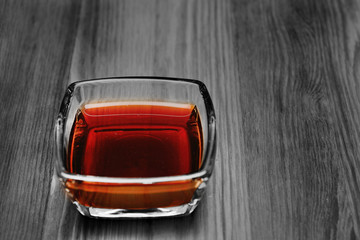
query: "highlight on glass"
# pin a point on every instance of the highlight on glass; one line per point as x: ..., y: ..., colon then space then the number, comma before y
x: 135, y: 146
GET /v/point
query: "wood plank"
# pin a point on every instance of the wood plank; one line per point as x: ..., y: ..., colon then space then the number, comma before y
x: 36, y: 45
x: 300, y: 106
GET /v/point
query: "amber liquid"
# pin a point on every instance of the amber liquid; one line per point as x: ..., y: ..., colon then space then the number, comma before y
x: 135, y: 140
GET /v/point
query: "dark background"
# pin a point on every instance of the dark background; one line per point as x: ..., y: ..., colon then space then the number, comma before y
x: 284, y: 78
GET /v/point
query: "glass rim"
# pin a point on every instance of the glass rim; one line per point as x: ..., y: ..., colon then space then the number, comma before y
x: 208, y: 160
x: 146, y: 78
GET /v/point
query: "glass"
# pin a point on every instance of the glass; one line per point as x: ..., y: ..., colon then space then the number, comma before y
x: 135, y: 146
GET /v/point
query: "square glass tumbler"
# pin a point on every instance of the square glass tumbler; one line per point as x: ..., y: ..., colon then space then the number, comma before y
x: 135, y: 146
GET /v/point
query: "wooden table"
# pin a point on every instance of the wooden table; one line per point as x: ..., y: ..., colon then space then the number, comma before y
x: 285, y: 80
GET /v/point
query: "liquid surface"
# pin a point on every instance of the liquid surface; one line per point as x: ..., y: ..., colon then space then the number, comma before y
x: 135, y: 139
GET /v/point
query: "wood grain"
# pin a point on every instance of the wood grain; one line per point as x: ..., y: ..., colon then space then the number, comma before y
x: 36, y: 46
x: 293, y: 121
x: 284, y: 78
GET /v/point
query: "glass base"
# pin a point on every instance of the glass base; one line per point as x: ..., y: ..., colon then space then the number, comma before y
x: 181, y: 210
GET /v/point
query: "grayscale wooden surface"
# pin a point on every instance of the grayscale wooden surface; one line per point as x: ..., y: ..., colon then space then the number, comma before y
x: 284, y: 76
